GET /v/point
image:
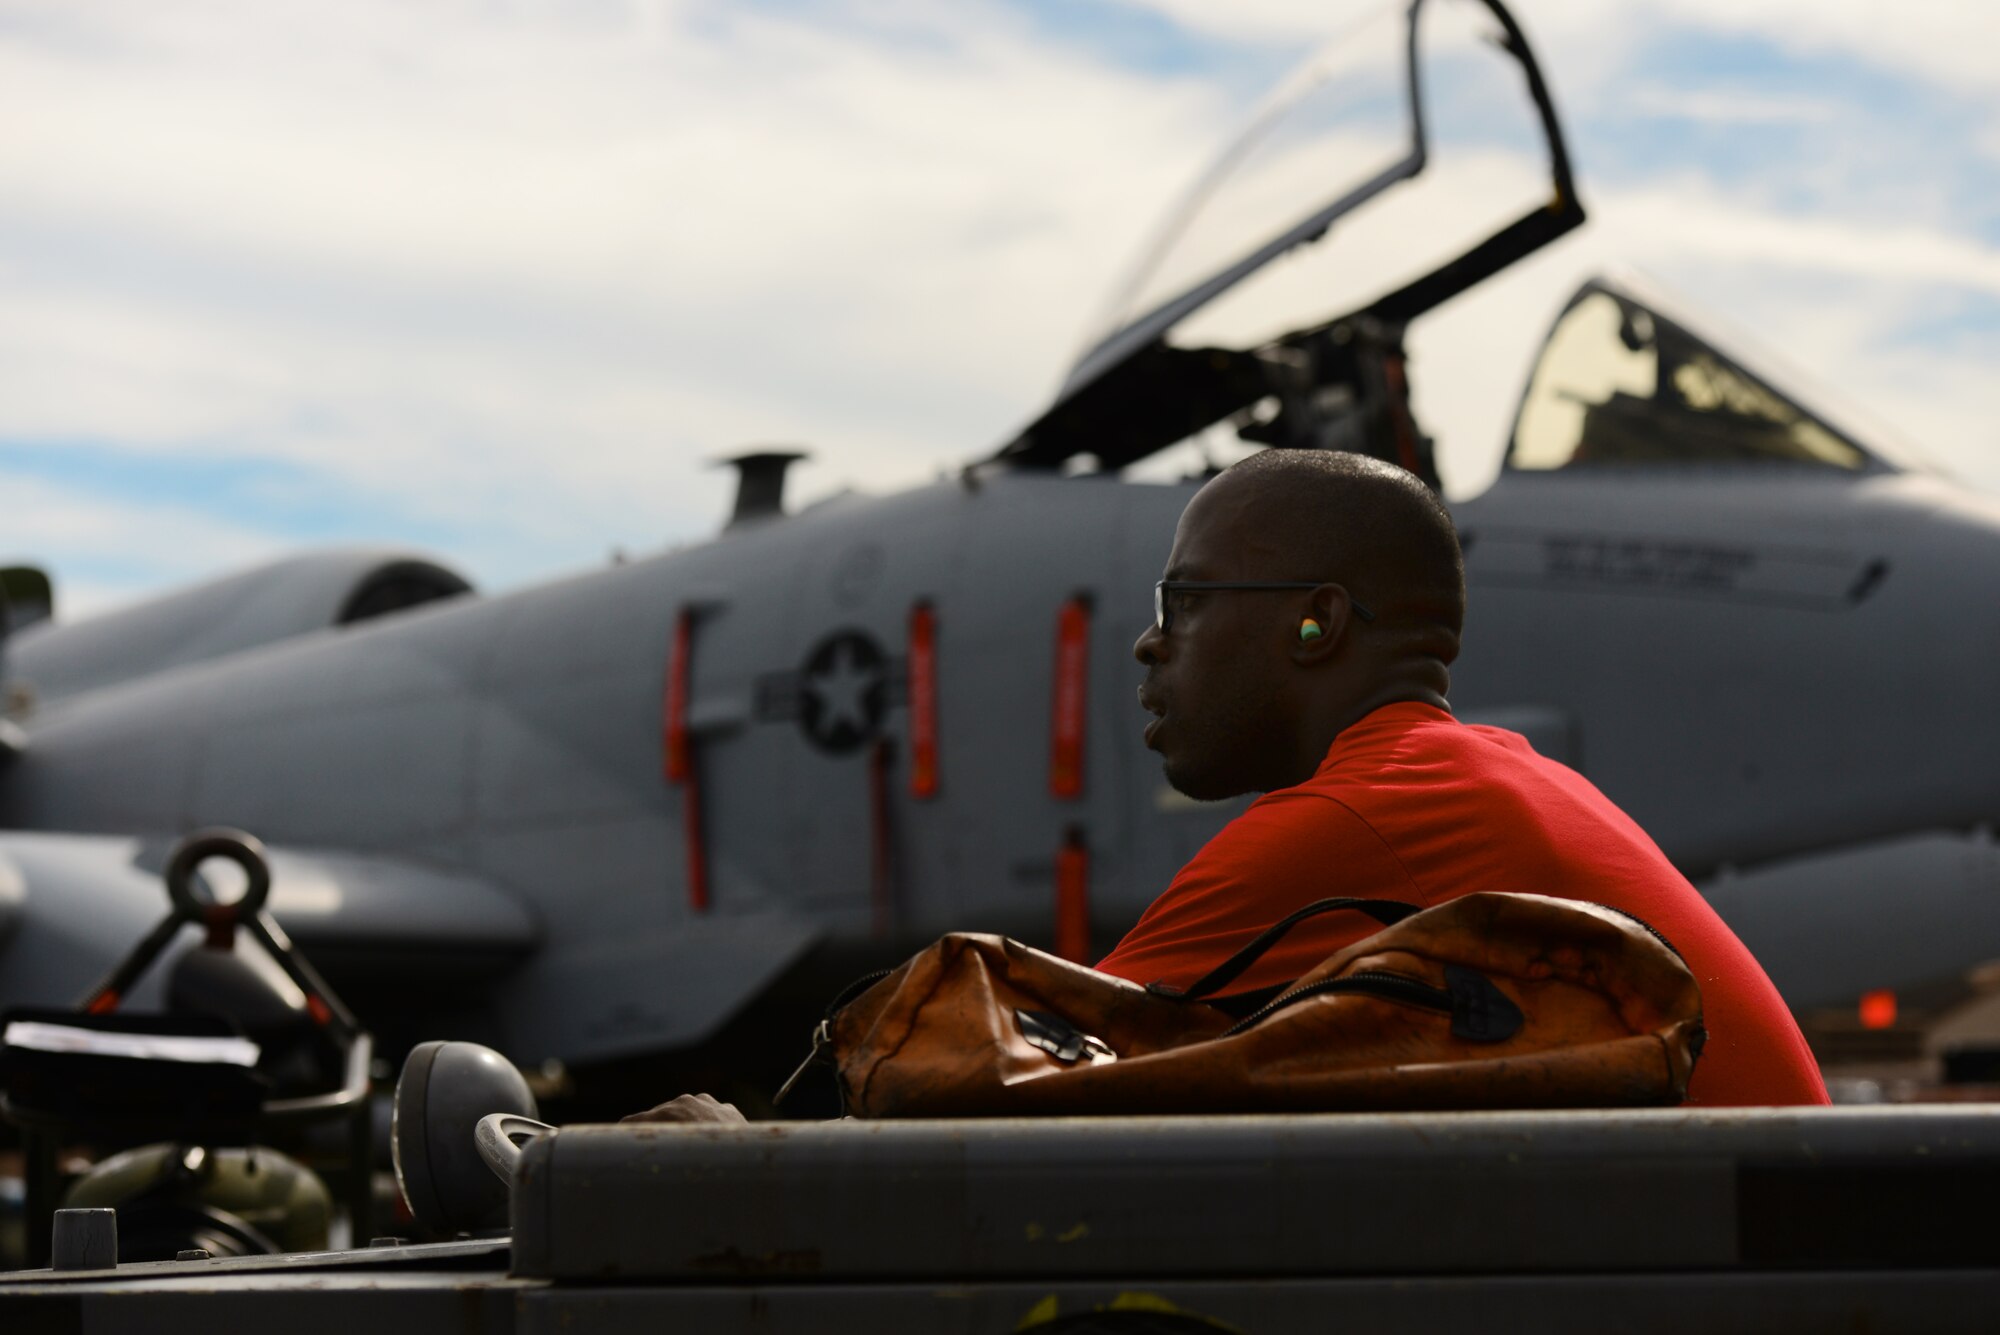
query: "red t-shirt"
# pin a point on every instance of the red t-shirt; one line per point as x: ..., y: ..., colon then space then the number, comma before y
x: 1411, y: 804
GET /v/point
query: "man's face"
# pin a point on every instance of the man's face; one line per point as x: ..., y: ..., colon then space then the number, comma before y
x: 1216, y: 679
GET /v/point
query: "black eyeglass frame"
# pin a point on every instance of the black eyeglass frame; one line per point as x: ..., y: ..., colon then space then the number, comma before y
x: 1163, y: 617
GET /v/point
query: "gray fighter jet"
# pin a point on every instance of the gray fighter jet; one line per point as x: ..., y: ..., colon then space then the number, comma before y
x: 636, y: 811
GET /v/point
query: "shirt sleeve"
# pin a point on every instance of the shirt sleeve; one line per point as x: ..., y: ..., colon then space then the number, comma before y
x: 1287, y: 850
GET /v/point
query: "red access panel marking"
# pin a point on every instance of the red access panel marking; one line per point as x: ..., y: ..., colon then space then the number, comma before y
x: 923, y: 701
x: 1072, y: 681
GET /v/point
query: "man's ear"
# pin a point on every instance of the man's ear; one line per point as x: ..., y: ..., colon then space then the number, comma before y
x: 1324, y: 626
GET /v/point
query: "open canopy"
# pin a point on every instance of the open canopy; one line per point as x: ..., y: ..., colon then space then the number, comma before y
x: 1328, y: 208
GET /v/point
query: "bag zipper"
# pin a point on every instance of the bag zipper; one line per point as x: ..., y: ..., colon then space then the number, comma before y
x: 1656, y: 933
x: 856, y: 988
x: 822, y: 1039
x: 1373, y: 982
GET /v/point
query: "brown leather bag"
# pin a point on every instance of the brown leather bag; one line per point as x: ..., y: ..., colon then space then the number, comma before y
x: 1487, y: 1001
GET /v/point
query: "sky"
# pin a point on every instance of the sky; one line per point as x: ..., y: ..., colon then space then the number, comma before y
x: 501, y: 279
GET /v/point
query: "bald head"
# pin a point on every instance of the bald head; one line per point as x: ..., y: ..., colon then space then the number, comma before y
x: 1251, y: 683
x: 1322, y: 514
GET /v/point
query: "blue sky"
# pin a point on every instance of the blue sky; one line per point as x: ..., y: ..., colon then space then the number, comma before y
x: 501, y: 282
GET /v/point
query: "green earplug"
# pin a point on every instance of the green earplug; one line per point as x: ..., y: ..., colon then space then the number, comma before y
x: 1309, y: 629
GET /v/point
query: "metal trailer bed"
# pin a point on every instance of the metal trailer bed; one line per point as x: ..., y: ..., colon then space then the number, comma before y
x: 1767, y: 1220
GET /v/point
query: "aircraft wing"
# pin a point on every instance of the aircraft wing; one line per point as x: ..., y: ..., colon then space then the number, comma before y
x: 358, y: 910
x: 71, y: 904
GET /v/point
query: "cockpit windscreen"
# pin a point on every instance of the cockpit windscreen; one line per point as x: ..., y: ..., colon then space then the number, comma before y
x: 1619, y: 384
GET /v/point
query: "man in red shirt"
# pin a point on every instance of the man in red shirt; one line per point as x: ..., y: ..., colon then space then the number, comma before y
x: 1300, y: 649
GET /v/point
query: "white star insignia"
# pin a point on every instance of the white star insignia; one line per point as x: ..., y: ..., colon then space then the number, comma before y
x: 841, y: 690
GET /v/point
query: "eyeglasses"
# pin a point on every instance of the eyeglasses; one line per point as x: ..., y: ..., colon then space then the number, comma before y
x: 1163, y: 616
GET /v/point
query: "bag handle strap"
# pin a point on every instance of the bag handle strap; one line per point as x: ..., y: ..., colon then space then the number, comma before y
x: 1388, y: 912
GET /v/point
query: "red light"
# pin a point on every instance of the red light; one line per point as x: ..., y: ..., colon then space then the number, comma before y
x: 1878, y: 1009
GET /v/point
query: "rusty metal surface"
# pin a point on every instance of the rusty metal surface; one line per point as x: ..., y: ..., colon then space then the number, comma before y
x: 1413, y: 1194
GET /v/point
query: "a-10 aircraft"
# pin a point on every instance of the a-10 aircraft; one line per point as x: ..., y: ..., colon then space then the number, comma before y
x: 628, y: 813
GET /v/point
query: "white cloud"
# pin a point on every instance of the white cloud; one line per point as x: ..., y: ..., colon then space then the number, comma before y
x: 1951, y: 41
x: 1581, y: 44
x: 1692, y: 217
x: 181, y: 544
x: 1729, y: 108
x: 534, y: 269
x: 518, y: 272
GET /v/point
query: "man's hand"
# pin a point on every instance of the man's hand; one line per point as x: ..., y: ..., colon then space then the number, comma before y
x: 690, y: 1108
